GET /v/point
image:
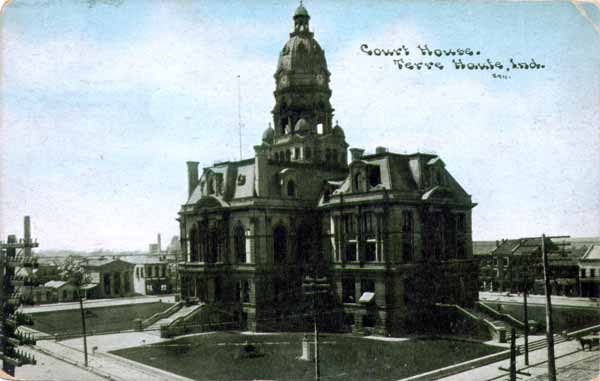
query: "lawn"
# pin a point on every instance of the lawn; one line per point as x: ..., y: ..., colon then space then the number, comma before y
x: 217, y: 357
x: 98, y: 320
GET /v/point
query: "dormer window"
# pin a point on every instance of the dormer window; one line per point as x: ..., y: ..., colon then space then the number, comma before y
x: 291, y: 188
x: 374, y: 174
x: 359, y: 182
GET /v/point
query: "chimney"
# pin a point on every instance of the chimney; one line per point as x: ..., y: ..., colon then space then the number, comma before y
x: 158, y: 241
x: 356, y: 153
x: 192, y: 168
x: 27, y: 235
x: 261, y: 164
x: 379, y: 150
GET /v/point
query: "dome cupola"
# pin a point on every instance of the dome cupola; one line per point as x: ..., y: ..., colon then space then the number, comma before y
x: 302, y: 80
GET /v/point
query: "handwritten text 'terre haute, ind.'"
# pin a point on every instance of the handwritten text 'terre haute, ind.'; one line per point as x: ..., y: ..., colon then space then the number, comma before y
x: 466, y: 59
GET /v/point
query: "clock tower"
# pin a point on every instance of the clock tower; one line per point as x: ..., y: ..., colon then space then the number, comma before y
x: 302, y: 115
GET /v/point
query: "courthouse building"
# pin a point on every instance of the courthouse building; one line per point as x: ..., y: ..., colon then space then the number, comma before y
x: 390, y: 233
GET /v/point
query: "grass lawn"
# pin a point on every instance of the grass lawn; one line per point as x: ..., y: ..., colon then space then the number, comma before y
x: 217, y: 357
x: 98, y: 320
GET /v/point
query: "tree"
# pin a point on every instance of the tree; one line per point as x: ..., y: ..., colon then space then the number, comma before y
x: 72, y: 271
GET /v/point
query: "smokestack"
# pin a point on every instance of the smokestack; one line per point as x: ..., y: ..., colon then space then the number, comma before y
x: 27, y: 229
x: 192, y: 168
x: 27, y: 235
x: 356, y: 153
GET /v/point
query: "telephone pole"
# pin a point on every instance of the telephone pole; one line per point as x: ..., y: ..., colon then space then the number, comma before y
x: 549, y: 324
x: 10, y: 299
x: 315, y: 287
x: 548, y: 293
x: 526, y: 318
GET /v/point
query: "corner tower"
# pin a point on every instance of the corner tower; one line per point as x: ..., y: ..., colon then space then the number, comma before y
x: 302, y: 116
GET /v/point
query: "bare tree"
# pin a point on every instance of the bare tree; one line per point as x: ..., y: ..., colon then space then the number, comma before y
x: 72, y: 271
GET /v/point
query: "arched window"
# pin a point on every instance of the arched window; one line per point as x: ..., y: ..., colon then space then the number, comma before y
x: 320, y: 129
x: 279, y: 244
x: 211, y: 185
x: 245, y: 292
x: 288, y: 155
x: 240, y: 243
x: 359, y: 182
x: 291, y: 188
x: 202, y: 243
x: 193, y: 240
x: 307, y: 153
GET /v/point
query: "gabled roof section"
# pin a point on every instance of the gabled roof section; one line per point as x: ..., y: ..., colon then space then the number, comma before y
x: 238, y: 181
x: 523, y: 246
x: 592, y: 254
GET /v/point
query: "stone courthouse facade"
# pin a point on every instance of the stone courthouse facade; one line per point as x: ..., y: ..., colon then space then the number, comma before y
x: 390, y: 233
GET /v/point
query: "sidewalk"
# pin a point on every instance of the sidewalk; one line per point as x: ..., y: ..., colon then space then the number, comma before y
x: 94, y: 303
x: 49, y: 368
x: 103, y: 364
x: 559, y: 301
x: 565, y: 353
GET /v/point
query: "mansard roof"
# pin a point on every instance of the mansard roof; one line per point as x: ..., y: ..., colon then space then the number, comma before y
x: 407, y: 173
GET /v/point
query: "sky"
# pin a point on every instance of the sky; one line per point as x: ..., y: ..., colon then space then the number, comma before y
x: 103, y: 102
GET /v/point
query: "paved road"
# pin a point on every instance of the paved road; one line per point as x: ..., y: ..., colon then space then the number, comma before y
x: 94, y: 303
x: 539, y: 299
x: 566, y: 354
x: 581, y: 370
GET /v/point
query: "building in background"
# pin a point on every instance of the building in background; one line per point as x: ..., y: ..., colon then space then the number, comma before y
x: 390, y: 233
x: 111, y: 276
x: 152, y: 276
x: 516, y: 261
x: 589, y: 270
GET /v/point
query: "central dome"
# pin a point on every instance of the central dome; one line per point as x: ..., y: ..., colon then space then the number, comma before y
x: 302, y: 54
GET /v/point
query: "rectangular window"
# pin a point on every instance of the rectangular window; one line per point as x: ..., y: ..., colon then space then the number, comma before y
x: 583, y: 273
x: 351, y: 251
x: 348, y: 290
x: 592, y: 273
x: 407, y: 221
x: 350, y: 238
x: 367, y: 285
x: 371, y: 251
x: 370, y: 231
x: 461, y: 225
x: 297, y: 153
x: 407, y: 233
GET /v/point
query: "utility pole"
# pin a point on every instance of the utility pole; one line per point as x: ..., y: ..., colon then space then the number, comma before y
x: 239, y: 114
x: 525, y: 317
x: 315, y: 287
x: 549, y: 324
x: 512, y: 370
x: 10, y: 318
x: 548, y: 293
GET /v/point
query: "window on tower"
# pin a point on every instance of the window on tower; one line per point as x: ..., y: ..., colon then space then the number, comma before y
x: 320, y: 129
